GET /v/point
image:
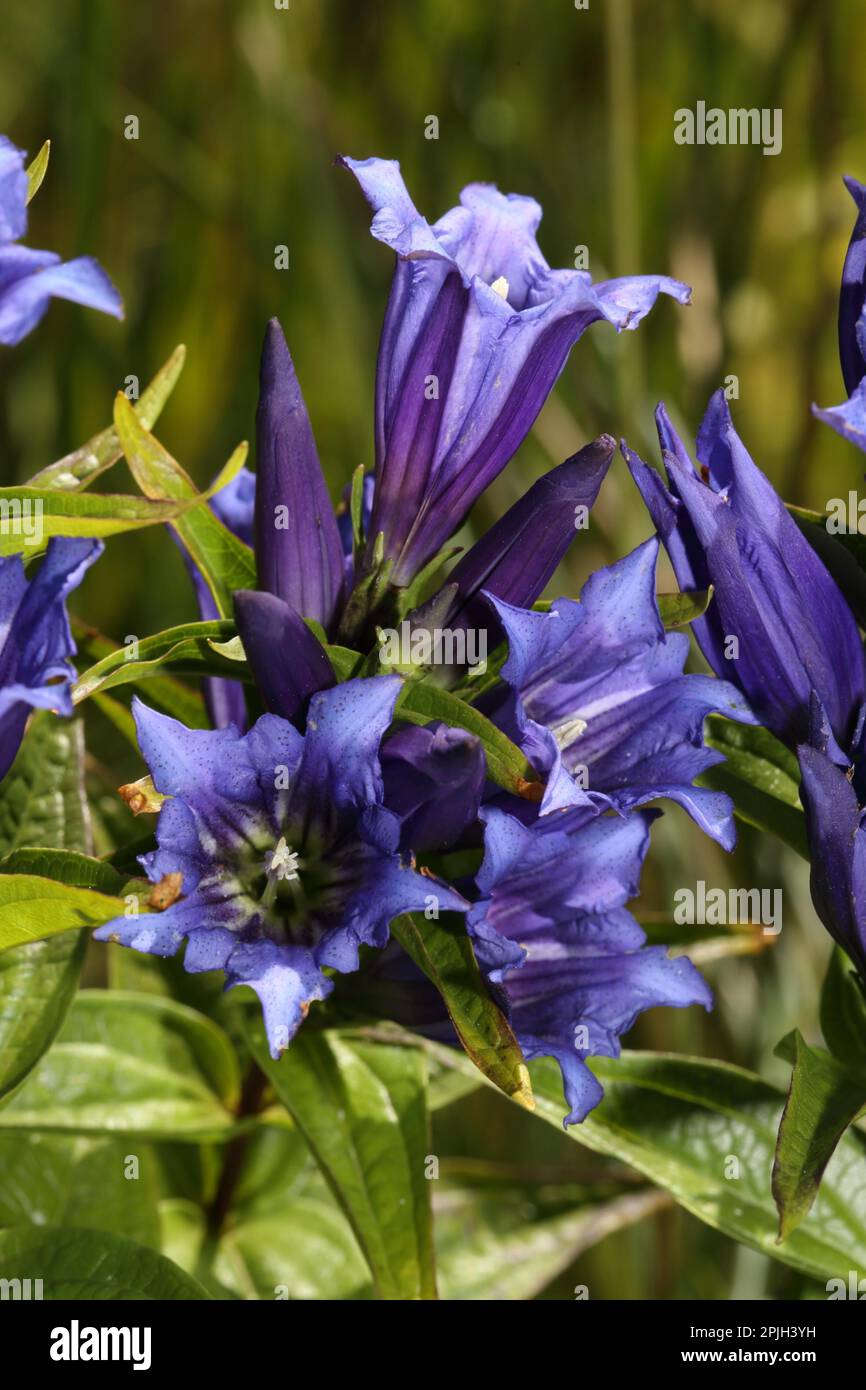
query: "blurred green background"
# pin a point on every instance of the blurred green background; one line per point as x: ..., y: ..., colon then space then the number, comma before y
x: 241, y: 109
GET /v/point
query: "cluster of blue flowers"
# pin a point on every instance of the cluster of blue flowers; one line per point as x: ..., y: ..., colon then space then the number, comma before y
x: 296, y: 836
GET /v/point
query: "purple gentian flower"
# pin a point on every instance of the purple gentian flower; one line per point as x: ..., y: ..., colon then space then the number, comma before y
x: 515, y: 559
x: 477, y: 330
x: 30, y: 279
x: 35, y: 640
x: 283, y: 854
x: 849, y: 419
x: 596, y: 696
x: 833, y: 792
x: 778, y: 625
x: 552, y: 934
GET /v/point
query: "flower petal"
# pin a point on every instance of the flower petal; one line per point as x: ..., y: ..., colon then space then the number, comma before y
x: 288, y: 661
x: 298, y: 550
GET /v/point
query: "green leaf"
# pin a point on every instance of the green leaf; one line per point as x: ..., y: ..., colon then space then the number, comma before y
x: 79, y: 469
x: 41, y: 802
x: 445, y: 955
x: 225, y: 562
x: 44, y: 513
x: 33, y: 908
x: 36, y: 171
x: 676, y: 610
x: 823, y: 1100
x: 762, y: 778
x: 82, y: 1264
x: 681, y: 1121
x: 843, y: 1012
x: 303, y: 1251
x: 361, y: 1108
x: 843, y: 552
x: 507, y: 766
x: 53, y: 1180
x: 186, y: 648
x: 67, y: 866
x: 131, y: 1064
x: 486, y: 1250
x: 285, y: 1236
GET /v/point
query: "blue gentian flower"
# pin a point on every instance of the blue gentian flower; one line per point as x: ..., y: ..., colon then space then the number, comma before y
x: 596, y: 696
x: 794, y: 632
x: 849, y: 419
x: 30, y: 279
x: 284, y: 857
x: 798, y: 657
x: 552, y: 934
x: 477, y: 330
x: 35, y: 640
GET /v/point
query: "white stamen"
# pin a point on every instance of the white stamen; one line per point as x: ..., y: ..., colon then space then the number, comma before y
x: 569, y: 730
x: 500, y: 287
x: 284, y: 861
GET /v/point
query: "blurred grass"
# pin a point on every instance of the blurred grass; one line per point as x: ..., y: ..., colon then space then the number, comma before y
x: 242, y: 108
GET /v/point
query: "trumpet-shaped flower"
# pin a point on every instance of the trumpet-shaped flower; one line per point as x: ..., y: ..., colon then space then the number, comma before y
x: 477, y: 329
x: 553, y: 935
x: 596, y: 696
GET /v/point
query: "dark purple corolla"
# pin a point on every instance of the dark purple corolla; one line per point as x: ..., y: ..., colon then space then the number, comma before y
x: 299, y: 553
x: 35, y: 640
x: 551, y: 931
x: 778, y: 626
x: 849, y: 419
x: 515, y: 559
x: 286, y: 860
x: 478, y: 328
x: 30, y: 279
x: 596, y: 696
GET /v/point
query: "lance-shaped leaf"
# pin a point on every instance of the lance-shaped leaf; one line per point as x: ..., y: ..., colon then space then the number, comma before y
x: 81, y: 1264
x: 187, y: 649
x: 33, y: 515
x: 224, y: 561
x: 298, y: 549
x: 288, y: 661
x: 36, y: 171
x: 33, y: 908
x: 445, y: 955
x: 78, y: 470
x: 41, y: 802
x: 361, y: 1108
x: 824, y: 1098
x: 681, y: 1121
x: 128, y: 1063
x: 843, y: 1012
x: 488, y: 1251
x: 761, y: 777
